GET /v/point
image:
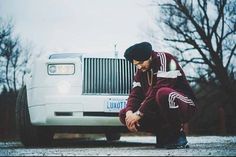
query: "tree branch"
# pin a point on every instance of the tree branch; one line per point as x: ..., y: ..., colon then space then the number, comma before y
x: 220, y: 14
x: 204, y: 8
x: 231, y: 55
x: 193, y: 60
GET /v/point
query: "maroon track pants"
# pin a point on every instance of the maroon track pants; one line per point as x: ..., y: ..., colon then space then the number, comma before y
x: 167, y: 113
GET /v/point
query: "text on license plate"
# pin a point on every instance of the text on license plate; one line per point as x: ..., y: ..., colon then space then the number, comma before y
x: 114, y: 105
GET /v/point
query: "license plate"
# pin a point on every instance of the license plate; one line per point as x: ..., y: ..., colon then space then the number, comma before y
x: 114, y: 105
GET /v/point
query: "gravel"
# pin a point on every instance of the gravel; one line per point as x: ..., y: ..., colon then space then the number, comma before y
x: 127, y: 146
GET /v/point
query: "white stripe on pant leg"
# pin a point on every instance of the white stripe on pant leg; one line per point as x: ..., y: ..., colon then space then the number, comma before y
x: 171, y: 99
x: 182, y: 98
x: 174, y: 95
x: 186, y: 99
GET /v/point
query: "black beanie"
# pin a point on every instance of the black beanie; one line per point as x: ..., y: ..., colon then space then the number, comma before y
x: 140, y: 52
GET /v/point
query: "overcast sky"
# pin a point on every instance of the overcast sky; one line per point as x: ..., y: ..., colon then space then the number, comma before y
x: 87, y: 26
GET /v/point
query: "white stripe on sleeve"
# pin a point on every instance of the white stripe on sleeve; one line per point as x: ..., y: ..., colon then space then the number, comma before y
x: 136, y: 84
x: 162, y: 60
x: 169, y: 74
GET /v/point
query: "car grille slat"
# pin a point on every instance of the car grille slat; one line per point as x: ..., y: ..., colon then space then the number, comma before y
x: 107, y: 76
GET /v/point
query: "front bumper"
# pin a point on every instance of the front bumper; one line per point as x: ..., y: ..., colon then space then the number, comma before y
x: 72, y: 109
x: 51, y: 114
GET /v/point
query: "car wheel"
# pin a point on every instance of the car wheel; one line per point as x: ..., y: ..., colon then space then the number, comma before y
x: 112, y: 136
x: 29, y: 135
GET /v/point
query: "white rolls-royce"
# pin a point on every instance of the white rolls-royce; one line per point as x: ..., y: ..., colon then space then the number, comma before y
x: 68, y: 92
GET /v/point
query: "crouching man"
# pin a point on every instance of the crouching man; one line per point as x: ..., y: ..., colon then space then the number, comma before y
x: 161, y: 99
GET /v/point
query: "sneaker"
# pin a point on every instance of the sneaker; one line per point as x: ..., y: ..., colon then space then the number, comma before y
x: 181, y: 142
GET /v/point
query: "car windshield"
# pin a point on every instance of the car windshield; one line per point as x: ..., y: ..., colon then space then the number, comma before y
x: 65, y: 55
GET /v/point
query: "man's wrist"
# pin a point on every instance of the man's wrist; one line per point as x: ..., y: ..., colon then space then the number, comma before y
x: 129, y: 112
x: 138, y: 113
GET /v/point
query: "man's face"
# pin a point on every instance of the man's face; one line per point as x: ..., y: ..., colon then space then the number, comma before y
x: 142, y: 65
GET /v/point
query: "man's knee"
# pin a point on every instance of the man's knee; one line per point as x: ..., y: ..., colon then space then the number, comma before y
x: 162, y: 95
x: 122, y: 115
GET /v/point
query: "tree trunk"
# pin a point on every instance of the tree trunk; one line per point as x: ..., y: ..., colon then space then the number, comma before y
x: 14, y: 80
x: 228, y: 87
x: 7, y: 79
x: 221, y: 121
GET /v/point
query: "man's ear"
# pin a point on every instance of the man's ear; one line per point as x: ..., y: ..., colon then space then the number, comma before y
x: 135, y: 62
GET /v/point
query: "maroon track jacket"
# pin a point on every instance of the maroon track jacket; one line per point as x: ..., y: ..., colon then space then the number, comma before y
x: 167, y: 73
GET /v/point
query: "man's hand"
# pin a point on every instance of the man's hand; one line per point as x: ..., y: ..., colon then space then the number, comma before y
x: 132, y: 121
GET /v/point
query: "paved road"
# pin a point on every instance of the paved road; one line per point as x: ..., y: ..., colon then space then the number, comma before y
x: 128, y: 145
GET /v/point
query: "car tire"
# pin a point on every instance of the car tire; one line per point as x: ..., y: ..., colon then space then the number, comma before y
x: 113, y: 136
x: 29, y: 135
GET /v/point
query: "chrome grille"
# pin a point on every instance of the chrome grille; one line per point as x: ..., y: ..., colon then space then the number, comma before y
x: 107, y: 76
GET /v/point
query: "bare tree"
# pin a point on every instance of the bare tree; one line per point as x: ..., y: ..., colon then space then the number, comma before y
x: 14, y: 60
x: 12, y: 55
x: 19, y: 61
x: 9, y: 46
x: 5, y: 31
x: 206, y: 30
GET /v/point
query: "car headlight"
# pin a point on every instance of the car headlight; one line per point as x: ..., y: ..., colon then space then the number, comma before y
x: 61, y: 69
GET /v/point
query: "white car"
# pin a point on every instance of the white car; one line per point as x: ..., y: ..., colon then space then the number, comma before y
x: 68, y: 92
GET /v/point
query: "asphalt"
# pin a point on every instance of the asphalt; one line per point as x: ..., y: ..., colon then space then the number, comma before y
x: 126, y: 146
